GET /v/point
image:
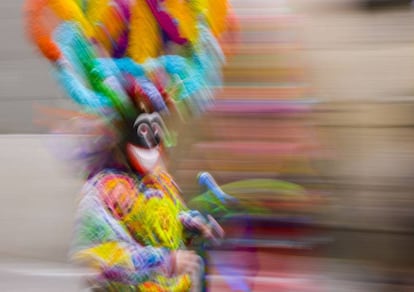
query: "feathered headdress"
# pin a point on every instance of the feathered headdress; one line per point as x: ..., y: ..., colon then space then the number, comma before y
x: 120, y: 58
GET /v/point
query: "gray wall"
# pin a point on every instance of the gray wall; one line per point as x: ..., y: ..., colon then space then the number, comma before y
x: 25, y: 79
x: 38, y: 198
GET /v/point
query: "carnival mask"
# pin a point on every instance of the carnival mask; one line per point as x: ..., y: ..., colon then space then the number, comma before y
x: 144, y: 144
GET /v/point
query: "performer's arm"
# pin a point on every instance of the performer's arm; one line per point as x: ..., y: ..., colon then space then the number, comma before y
x: 102, y: 242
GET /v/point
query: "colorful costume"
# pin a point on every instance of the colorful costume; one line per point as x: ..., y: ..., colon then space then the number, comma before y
x: 127, y: 227
x: 123, y: 62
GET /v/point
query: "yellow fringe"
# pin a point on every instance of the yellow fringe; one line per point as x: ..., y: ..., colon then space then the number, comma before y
x: 110, y: 253
x: 155, y: 222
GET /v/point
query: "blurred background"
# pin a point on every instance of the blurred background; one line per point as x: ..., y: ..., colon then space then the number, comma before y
x: 318, y: 92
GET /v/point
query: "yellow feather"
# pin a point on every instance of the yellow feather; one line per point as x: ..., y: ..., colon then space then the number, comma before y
x: 186, y: 17
x: 217, y: 16
x: 71, y: 11
x: 144, y: 39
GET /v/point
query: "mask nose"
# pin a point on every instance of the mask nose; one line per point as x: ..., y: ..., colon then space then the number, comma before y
x: 147, y: 134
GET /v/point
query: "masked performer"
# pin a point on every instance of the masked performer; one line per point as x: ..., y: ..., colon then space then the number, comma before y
x: 128, y: 63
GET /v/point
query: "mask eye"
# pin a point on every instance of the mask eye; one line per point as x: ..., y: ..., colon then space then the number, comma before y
x: 158, y: 133
x: 143, y: 130
x: 147, y: 135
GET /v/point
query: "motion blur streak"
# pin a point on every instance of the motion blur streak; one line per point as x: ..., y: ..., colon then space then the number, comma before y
x: 320, y: 94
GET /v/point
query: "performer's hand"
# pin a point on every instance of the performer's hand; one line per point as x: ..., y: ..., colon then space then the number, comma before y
x: 210, y: 230
x: 188, y: 262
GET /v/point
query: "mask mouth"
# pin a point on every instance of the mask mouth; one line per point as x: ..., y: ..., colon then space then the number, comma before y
x: 144, y: 160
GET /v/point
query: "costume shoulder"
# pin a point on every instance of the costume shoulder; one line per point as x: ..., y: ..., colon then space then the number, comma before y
x: 115, y: 190
x: 111, y: 175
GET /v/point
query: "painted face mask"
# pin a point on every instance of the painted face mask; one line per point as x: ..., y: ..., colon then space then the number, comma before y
x: 144, y: 147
